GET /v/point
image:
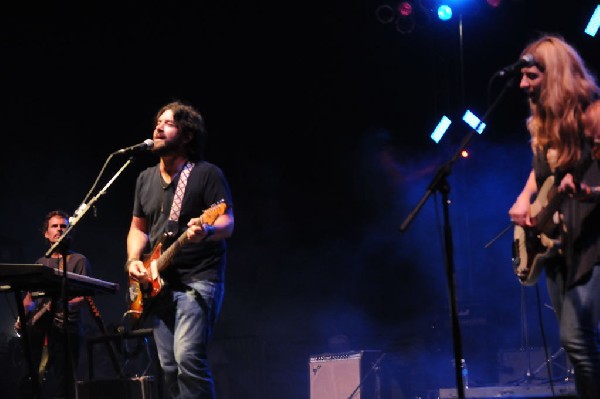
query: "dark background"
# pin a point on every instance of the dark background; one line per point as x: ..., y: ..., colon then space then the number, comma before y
x: 320, y: 117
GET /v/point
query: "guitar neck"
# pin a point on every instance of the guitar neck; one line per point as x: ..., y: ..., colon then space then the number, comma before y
x: 39, y: 313
x: 169, y: 253
x: 208, y: 217
x: 545, y: 215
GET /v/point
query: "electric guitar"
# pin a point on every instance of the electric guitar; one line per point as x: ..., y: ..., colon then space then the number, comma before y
x: 140, y: 293
x: 534, y: 246
x: 41, y: 310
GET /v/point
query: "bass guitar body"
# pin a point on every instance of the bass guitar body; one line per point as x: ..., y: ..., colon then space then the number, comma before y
x: 534, y: 247
x: 532, y: 252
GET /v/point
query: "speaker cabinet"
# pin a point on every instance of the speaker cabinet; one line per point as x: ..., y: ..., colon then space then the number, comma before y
x: 338, y: 376
x: 130, y: 388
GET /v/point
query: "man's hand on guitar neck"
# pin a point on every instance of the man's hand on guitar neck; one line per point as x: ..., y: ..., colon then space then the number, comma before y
x: 197, y: 231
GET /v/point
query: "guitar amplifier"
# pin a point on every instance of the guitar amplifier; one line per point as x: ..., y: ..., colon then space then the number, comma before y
x: 345, y: 375
x: 130, y: 388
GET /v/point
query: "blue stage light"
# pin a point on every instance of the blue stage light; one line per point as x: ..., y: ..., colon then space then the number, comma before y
x: 473, y: 121
x: 444, y: 12
x: 440, y: 129
x: 592, y: 26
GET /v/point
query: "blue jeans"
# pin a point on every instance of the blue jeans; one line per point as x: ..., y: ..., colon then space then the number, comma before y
x: 182, y: 328
x: 578, y: 312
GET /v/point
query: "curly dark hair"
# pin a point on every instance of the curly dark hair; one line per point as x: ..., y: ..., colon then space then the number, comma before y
x: 50, y: 215
x: 191, y: 124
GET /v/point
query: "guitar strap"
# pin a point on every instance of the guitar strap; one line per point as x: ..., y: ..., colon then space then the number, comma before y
x: 178, y: 196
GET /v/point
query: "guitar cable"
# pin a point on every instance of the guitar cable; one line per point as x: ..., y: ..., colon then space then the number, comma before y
x: 493, y: 240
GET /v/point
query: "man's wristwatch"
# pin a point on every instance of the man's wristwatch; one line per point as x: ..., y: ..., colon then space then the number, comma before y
x: 210, y: 231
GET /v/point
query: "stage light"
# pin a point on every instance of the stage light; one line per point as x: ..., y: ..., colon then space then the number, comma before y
x: 592, y: 26
x: 444, y: 12
x: 405, y: 9
x: 473, y: 121
x: 385, y: 14
x: 406, y: 15
x: 440, y: 129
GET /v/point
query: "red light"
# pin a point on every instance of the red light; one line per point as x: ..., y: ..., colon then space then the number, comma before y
x: 464, y: 153
x: 494, y: 3
x: 405, y: 8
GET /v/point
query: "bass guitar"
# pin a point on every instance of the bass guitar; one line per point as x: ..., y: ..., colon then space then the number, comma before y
x: 140, y: 293
x: 534, y: 246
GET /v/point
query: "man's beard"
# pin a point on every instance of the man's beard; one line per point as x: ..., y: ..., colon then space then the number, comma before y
x: 169, y: 148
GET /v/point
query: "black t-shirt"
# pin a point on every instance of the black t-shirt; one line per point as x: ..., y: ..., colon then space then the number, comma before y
x: 206, y: 187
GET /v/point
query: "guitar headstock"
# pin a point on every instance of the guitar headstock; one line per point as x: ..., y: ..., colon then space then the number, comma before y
x: 213, y: 212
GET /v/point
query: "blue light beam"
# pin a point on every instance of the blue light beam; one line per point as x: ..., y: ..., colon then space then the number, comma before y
x: 592, y: 26
x: 473, y: 121
x: 440, y: 129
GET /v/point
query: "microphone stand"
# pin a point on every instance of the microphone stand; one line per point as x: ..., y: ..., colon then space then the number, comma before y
x: 440, y: 184
x: 62, y: 246
x: 373, y: 369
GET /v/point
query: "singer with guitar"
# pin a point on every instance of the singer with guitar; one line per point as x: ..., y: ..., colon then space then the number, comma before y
x: 564, y: 125
x: 45, y: 320
x: 176, y: 247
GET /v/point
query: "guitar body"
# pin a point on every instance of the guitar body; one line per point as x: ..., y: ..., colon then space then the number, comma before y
x: 531, y: 253
x: 41, y: 310
x: 534, y: 247
x: 141, y: 293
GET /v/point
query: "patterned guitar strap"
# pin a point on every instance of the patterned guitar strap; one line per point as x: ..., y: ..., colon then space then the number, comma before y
x: 179, y: 193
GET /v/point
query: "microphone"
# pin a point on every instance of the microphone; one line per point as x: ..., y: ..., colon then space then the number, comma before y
x: 146, y: 145
x: 524, y: 62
